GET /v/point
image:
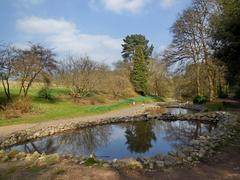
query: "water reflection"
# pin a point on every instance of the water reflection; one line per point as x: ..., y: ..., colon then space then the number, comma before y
x: 139, y: 137
x: 80, y: 142
x: 124, y: 140
x: 182, y: 132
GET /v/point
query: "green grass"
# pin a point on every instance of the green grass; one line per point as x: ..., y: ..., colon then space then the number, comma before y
x: 215, y: 106
x: 65, y: 108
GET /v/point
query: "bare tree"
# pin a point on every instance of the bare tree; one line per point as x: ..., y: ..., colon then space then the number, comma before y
x: 185, y: 84
x: 204, y: 10
x: 80, y: 74
x: 159, y: 83
x: 118, y: 85
x: 8, y: 58
x: 33, y: 62
x: 191, y: 41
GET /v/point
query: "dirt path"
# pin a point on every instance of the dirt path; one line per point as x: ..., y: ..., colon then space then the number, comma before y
x: 129, y: 111
x: 60, y: 171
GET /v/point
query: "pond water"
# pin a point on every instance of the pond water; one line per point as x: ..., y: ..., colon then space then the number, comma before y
x: 123, y: 140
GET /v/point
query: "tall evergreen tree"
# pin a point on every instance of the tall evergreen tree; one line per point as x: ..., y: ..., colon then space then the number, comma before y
x: 130, y: 43
x: 139, y: 72
x: 226, y: 33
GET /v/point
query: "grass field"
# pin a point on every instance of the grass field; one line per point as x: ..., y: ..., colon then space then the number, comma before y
x: 44, y: 110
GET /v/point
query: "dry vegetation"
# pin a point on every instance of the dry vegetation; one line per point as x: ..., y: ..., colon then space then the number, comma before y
x: 157, y: 110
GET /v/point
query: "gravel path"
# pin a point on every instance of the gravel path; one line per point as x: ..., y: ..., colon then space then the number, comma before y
x: 129, y: 111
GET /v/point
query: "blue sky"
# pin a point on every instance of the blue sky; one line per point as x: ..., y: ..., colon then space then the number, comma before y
x: 88, y: 27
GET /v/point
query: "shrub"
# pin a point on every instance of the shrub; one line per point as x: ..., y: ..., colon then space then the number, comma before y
x: 128, y: 92
x: 45, y: 93
x: 22, y: 104
x: 199, y: 99
x: 17, y: 108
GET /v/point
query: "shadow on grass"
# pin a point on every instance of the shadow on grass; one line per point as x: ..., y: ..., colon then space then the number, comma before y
x: 5, y: 101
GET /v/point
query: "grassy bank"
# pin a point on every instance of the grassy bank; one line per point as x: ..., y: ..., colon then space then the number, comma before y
x: 43, y: 110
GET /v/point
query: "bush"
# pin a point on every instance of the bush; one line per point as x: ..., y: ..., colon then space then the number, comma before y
x: 17, y: 108
x: 22, y: 104
x: 199, y: 99
x: 128, y: 92
x: 45, y: 93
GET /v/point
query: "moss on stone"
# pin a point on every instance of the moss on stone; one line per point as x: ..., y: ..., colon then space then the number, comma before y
x: 91, y: 161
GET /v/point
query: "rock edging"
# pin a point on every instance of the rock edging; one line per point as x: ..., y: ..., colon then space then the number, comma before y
x: 32, y: 133
x: 197, y: 149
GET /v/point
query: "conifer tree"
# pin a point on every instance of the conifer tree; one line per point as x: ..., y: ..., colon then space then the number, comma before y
x: 129, y: 44
x: 139, y: 72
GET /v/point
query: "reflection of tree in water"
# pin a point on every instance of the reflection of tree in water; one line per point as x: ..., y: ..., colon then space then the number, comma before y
x: 88, y: 139
x: 84, y: 141
x: 182, y: 132
x: 139, y: 136
x: 47, y: 147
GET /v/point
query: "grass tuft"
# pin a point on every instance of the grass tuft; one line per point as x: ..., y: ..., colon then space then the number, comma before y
x: 91, y: 161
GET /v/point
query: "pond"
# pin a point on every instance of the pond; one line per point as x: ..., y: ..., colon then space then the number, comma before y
x: 123, y: 140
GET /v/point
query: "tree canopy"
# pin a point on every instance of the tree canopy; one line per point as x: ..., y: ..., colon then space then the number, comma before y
x: 226, y: 33
x: 130, y: 43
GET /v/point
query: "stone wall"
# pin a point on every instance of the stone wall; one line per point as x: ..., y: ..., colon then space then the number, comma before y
x: 199, y: 148
x: 208, y: 117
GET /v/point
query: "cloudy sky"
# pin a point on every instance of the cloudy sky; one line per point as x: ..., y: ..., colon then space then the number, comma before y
x: 87, y: 27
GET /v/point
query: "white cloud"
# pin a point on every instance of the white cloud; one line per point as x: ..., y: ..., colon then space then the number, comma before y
x: 167, y: 3
x: 133, y: 6
x: 119, y: 6
x: 65, y: 37
x: 39, y: 25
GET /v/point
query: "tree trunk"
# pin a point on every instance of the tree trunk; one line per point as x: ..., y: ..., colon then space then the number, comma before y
x: 211, y: 88
x: 6, y: 89
x: 198, y: 80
